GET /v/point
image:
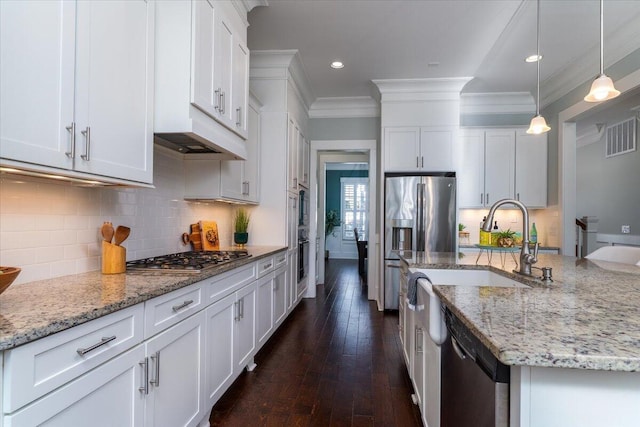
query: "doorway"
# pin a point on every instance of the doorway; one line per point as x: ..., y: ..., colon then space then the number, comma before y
x: 342, y: 152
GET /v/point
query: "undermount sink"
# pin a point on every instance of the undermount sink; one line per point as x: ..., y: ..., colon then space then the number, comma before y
x: 471, y: 278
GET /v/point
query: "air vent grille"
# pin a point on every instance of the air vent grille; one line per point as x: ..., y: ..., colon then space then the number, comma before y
x: 621, y: 138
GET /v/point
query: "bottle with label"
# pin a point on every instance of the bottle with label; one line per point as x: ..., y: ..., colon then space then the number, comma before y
x: 485, y: 236
x: 533, y: 235
x: 494, y: 234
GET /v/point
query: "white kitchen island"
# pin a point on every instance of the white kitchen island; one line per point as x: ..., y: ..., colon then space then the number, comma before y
x: 573, y: 346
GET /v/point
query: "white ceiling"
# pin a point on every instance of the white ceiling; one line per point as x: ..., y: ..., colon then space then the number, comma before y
x: 484, y: 39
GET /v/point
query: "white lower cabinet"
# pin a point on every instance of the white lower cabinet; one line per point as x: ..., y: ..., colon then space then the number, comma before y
x: 264, y: 308
x: 280, y: 294
x: 175, y: 361
x: 219, y: 354
x: 106, y: 396
x: 103, y: 373
x: 244, y: 332
x: 292, y: 284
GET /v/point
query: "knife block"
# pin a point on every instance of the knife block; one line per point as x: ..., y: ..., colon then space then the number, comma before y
x: 113, y: 258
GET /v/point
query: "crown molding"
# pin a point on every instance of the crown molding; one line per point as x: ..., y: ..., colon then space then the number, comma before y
x: 421, y: 89
x: 621, y: 43
x: 282, y: 64
x: 344, y: 107
x: 497, y: 103
x: 591, y: 135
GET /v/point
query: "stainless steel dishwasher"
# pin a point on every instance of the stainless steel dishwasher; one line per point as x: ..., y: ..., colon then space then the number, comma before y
x: 475, y: 384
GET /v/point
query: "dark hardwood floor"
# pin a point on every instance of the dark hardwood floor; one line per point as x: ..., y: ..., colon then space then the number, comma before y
x: 336, y: 361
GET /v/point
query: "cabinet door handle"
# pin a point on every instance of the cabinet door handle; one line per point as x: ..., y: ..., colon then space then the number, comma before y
x: 422, y: 157
x: 145, y: 376
x: 419, y: 349
x: 103, y: 341
x: 417, y: 162
x: 156, y: 380
x: 242, y: 308
x: 487, y: 198
x: 518, y: 196
x: 218, y: 95
x: 222, y: 102
x: 236, y: 309
x: 87, y: 147
x: 482, y: 198
x: 72, y: 130
x: 238, y: 116
x: 177, y: 308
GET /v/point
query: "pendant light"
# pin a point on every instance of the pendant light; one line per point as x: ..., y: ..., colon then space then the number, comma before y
x: 602, y: 87
x: 538, y: 123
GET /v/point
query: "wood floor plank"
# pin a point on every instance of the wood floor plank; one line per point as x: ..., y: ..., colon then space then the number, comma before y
x: 335, y: 361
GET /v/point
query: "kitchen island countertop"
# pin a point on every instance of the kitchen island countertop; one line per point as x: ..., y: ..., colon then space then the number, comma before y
x: 588, y: 318
x: 30, y: 311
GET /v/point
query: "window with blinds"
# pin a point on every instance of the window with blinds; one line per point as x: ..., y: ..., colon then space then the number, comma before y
x: 621, y: 138
x: 354, y: 199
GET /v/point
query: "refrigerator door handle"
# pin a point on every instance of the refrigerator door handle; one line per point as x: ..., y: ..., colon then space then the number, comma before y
x: 420, y: 218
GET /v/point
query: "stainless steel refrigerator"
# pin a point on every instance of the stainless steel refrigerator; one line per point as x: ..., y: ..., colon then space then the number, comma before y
x: 420, y: 215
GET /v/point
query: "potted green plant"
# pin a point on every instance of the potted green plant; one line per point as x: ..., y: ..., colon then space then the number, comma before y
x: 241, y: 225
x: 505, y: 238
x: 332, y: 221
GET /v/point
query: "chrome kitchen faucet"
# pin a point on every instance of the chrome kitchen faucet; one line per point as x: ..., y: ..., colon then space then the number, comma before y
x: 526, y: 258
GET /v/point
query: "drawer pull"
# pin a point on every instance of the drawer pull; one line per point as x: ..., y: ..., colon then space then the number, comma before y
x: 103, y: 341
x: 267, y: 266
x: 281, y: 259
x: 177, y: 308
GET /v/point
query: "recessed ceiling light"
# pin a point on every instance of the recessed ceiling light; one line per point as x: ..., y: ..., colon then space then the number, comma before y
x: 533, y: 58
x: 337, y: 64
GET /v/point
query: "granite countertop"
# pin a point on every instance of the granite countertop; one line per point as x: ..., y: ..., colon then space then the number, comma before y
x: 34, y: 310
x: 588, y: 318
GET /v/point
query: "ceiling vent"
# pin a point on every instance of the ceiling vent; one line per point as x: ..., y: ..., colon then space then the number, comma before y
x: 621, y: 138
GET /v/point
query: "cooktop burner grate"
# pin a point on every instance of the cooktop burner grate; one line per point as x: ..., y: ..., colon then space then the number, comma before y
x: 186, y: 262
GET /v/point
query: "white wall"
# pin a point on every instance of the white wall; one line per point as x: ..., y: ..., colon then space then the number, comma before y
x: 52, y: 229
x: 608, y: 188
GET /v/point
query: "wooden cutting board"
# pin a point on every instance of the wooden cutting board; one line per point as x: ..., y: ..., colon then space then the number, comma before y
x: 209, y: 235
x: 195, y: 237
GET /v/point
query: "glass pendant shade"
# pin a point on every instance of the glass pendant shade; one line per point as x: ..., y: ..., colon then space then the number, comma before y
x: 602, y: 89
x: 538, y: 125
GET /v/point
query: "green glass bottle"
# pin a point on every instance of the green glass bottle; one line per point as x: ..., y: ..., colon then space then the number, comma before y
x: 533, y: 236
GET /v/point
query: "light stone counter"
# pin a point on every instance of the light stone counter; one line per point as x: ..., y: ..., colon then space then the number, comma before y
x: 34, y: 310
x: 588, y: 318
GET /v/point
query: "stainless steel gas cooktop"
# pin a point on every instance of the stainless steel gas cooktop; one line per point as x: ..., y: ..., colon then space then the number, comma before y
x: 186, y: 262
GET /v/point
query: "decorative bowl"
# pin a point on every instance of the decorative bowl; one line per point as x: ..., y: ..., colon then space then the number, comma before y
x: 7, y: 276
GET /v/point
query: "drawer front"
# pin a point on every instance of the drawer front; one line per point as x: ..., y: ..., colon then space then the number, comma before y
x: 280, y: 259
x: 167, y: 310
x: 230, y: 282
x: 265, y: 266
x: 39, y: 367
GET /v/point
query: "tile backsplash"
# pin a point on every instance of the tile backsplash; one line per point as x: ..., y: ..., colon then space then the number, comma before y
x: 52, y: 229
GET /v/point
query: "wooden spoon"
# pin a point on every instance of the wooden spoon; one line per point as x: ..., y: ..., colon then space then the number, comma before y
x: 122, y: 233
x: 107, y: 231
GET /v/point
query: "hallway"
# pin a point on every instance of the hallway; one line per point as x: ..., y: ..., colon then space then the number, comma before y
x: 336, y: 361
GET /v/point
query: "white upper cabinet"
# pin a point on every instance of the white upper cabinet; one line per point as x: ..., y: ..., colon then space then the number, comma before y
x: 418, y: 149
x: 221, y: 64
x: 236, y: 180
x: 531, y: 169
x: 293, y: 139
x: 502, y: 164
x: 67, y: 100
x: 239, y: 178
